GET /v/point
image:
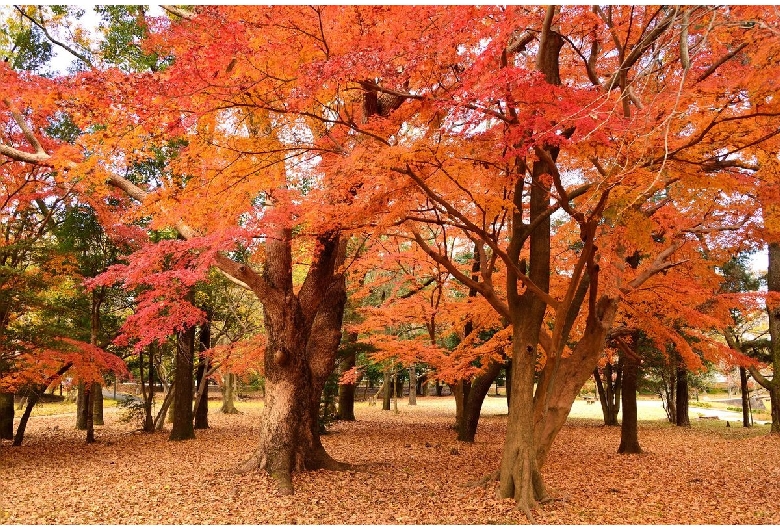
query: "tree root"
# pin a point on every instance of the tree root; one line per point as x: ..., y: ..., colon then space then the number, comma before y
x: 484, y: 481
x: 523, y: 507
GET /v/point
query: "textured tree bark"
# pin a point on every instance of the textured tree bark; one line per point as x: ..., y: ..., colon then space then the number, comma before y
x: 6, y: 415
x: 304, y: 332
x: 183, y: 424
x: 629, y: 430
x: 681, y: 405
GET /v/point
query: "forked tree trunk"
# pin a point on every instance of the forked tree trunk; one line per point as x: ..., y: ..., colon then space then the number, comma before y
x: 303, y: 332
x: 6, y: 415
x: 609, y: 388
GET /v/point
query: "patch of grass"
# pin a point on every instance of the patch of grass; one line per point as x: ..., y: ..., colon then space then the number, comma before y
x: 61, y: 407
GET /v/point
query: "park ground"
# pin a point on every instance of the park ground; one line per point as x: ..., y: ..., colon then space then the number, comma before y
x: 409, y: 470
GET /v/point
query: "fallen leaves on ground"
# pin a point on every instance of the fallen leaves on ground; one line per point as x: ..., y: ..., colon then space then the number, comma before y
x: 409, y: 470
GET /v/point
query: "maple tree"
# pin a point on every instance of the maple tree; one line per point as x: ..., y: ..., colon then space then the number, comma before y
x: 562, y: 143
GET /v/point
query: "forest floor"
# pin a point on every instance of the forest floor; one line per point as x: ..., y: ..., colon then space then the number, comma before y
x: 411, y: 470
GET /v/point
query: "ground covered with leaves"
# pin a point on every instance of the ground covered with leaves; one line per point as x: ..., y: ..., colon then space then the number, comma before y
x: 409, y: 470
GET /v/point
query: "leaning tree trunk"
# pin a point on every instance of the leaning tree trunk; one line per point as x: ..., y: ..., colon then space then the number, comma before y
x: 629, y: 431
x: 6, y: 415
x: 304, y: 332
x: 183, y: 428
x: 472, y: 396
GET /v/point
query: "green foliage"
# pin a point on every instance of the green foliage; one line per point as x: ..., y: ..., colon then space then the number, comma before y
x: 31, y: 50
x: 124, y: 28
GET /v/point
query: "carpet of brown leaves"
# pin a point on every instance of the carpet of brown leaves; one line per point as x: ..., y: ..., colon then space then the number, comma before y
x: 410, y: 470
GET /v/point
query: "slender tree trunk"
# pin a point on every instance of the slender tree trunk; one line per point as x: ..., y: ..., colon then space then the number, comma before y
x: 629, y: 430
x: 609, y: 389
x: 90, y: 410
x: 34, y: 394
x: 387, y: 387
x: 743, y: 387
x: 159, y: 420
x: 202, y: 399
x: 681, y: 407
x: 81, y: 407
x: 147, y: 391
x: 412, y: 385
x: 228, y: 393
x: 97, y: 404
x: 183, y: 428
x: 6, y: 415
x: 346, y: 399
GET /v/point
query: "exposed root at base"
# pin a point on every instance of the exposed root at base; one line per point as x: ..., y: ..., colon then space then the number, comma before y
x: 523, y: 507
x: 484, y: 481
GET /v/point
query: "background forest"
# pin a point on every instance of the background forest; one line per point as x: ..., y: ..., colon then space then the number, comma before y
x: 318, y: 205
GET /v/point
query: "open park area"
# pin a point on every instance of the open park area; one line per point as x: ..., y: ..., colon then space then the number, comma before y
x: 408, y: 469
x: 316, y: 210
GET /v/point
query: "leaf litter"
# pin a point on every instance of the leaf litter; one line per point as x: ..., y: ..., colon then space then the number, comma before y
x: 408, y: 469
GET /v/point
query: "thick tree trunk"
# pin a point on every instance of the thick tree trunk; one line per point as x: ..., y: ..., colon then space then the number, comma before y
x: 147, y: 391
x: 304, y: 332
x: 681, y: 404
x: 346, y: 398
x: 519, y: 473
x: 228, y: 392
x: 774, y: 400
x: 743, y: 388
x: 6, y: 415
x: 183, y: 428
x: 629, y: 435
x: 551, y: 413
